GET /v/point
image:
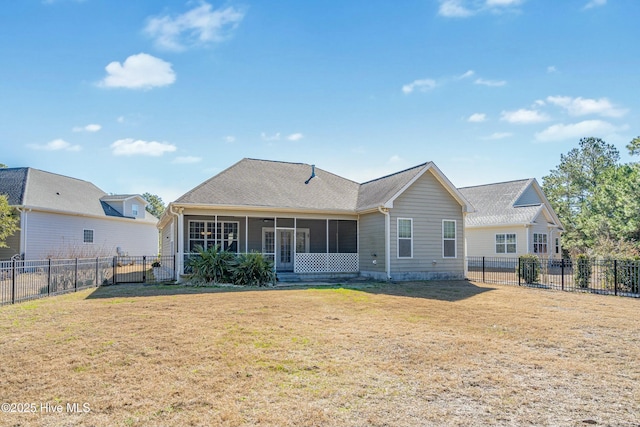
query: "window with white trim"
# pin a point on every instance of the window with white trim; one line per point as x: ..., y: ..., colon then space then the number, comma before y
x: 506, y: 243
x: 539, y: 243
x: 557, y: 245
x: 134, y: 210
x: 449, y: 245
x: 87, y: 236
x: 405, y: 238
x: 209, y: 233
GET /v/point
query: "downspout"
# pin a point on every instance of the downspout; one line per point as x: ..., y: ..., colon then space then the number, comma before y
x: 387, y: 240
x: 23, y: 232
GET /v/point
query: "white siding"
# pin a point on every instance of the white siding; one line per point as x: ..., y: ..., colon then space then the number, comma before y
x: 482, y: 241
x: 427, y: 202
x: 56, y: 235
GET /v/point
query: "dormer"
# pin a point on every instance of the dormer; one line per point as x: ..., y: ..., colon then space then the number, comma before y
x: 126, y: 205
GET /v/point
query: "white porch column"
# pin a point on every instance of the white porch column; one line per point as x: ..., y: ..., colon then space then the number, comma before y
x: 246, y: 234
x: 180, y: 263
x: 295, y: 235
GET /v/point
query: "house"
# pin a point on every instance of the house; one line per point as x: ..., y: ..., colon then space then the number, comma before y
x: 66, y: 217
x: 511, y: 219
x: 315, y: 224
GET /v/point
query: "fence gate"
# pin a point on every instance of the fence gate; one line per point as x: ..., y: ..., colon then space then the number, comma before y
x: 143, y: 269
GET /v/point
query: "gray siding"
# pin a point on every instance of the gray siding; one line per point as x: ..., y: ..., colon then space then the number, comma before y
x: 427, y: 202
x: 529, y: 197
x: 372, y: 243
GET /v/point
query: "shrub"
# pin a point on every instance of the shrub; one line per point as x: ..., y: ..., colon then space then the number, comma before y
x: 253, y: 269
x: 529, y: 268
x: 212, y: 265
x: 582, y: 267
x: 156, y: 264
x: 626, y: 272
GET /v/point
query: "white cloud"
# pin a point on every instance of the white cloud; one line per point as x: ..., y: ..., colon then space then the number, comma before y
x: 87, y: 128
x: 422, y: 85
x: 552, y: 69
x: 131, y: 147
x: 120, y: 119
x: 229, y: 139
x: 595, y: 3
x: 477, y: 118
x: 295, y: 137
x: 183, y: 160
x: 453, y: 9
x: 467, y: 8
x: 56, y: 145
x: 468, y: 74
x: 524, y: 116
x: 198, y: 26
x: 490, y: 83
x: 559, y: 132
x: 583, y: 106
x: 141, y: 71
x: 498, y: 135
x: 274, y: 137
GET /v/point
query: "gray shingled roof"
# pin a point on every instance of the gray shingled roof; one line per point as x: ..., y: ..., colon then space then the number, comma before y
x: 273, y: 184
x: 494, y: 204
x: 44, y: 190
x: 378, y: 191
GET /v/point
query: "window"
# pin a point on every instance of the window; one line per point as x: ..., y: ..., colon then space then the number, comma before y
x: 505, y: 243
x: 557, y: 245
x: 208, y: 233
x: 449, y: 238
x: 539, y: 243
x: 405, y: 238
x: 134, y: 210
x: 87, y: 236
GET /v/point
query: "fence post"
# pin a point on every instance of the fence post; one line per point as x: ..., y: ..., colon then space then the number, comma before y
x: 49, y: 278
x: 615, y: 277
x: 562, y: 272
x: 519, y: 270
x: 13, y: 281
x: 97, y: 267
x: 115, y: 263
x: 144, y: 269
x: 75, y: 281
x: 482, y: 269
x: 175, y: 273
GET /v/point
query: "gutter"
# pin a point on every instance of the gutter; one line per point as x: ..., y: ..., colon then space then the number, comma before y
x: 387, y: 240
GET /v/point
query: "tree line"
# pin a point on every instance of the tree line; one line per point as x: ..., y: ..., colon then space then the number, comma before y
x: 597, y: 198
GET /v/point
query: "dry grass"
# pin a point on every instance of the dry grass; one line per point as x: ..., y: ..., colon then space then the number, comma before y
x: 441, y: 353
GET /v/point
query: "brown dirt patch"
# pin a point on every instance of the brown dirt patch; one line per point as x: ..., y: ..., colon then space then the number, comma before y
x: 436, y: 353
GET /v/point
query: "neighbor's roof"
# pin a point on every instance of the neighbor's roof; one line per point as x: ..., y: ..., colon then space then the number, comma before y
x: 494, y: 204
x: 36, y: 189
x: 277, y: 185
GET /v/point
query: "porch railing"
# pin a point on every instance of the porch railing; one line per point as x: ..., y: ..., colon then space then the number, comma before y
x: 326, y: 263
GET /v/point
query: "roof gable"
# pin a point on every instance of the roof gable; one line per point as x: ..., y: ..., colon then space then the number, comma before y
x: 512, y: 202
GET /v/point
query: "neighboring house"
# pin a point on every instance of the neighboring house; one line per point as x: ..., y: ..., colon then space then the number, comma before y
x: 511, y: 219
x: 314, y: 224
x: 67, y: 217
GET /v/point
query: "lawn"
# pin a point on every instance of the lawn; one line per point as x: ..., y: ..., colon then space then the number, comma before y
x: 438, y: 353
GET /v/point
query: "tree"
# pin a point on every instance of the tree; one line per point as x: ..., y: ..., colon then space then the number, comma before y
x: 571, y: 185
x: 3, y: 166
x: 8, y: 221
x: 156, y: 206
x: 634, y: 146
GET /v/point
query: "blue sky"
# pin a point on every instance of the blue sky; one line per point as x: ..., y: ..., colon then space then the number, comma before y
x: 158, y: 96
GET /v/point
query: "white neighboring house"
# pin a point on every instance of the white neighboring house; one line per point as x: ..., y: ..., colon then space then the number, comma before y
x: 67, y: 217
x: 511, y: 219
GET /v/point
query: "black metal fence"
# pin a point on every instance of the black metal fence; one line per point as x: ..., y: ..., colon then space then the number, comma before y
x: 22, y: 280
x: 599, y: 276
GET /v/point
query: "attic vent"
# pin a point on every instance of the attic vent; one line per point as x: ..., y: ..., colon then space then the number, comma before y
x: 313, y: 174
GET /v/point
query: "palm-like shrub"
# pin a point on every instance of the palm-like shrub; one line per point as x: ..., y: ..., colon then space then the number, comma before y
x: 253, y: 269
x: 212, y: 265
